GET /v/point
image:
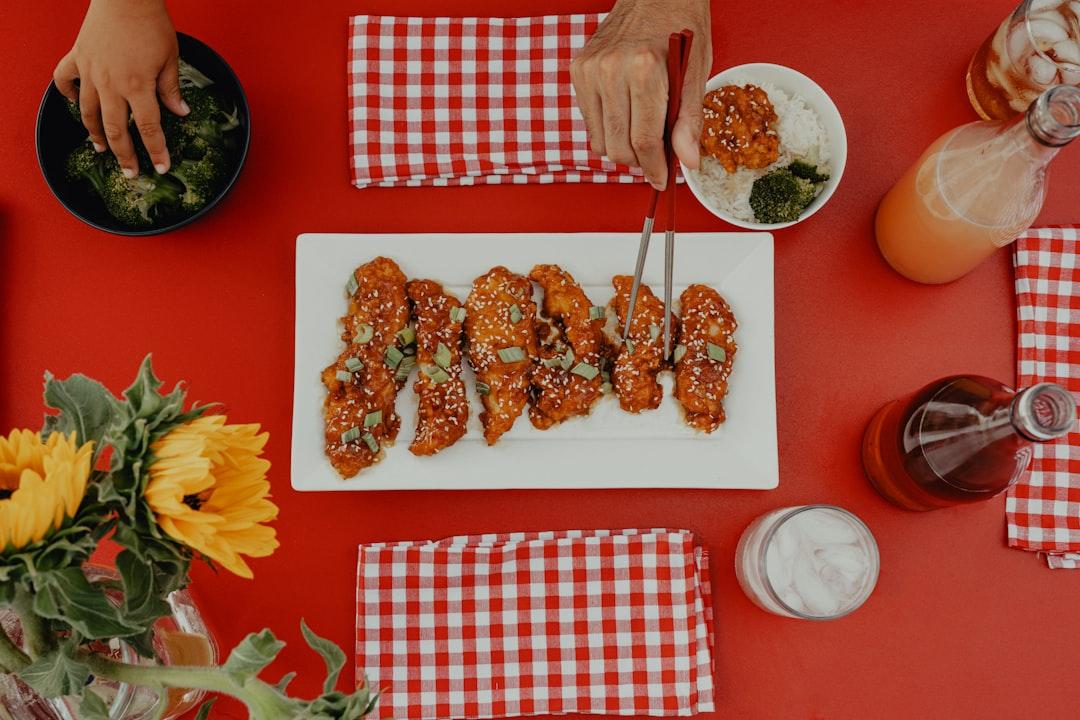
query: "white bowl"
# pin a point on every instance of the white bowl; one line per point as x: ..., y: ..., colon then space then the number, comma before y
x: 797, y: 84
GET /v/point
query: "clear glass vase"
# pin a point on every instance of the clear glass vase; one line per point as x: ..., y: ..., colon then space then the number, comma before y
x: 181, y: 638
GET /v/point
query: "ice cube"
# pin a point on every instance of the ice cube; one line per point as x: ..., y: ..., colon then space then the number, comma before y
x: 778, y: 567
x: 1041, y: 71
x: 848, y: 559
x: 824, y: 527
x: 1067, y: 51
x: 1019, y: 43
x: 815, y: 594
x: 1045, y: 32
x: 1075, y: 8
x: 1071, y: 77
x: 1037, y: 5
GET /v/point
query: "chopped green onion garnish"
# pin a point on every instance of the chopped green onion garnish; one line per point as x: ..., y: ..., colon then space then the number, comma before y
x: 482, y: 388
x: 605, y: 376
x: 406, y: 367
x: 442, y: 356
x: 373, y: 418
x: 717, y: 353
x: 515, y: 314
x: 629, y: 346
x: 364, y: 333
x: 352, y: 286
x: 597, y: 312
x: 679, y: 353
x: 552, y: 362
x: 371, y: 442
x: 654, y: 332
x: 354, y: 364
x: 568, y: 359
x: 406, y: 335
x: 393, y: 356
x: 511, y: 355
x: 409, y: 349
x: 605, y: 388
x: 437, y: 374
x: 349, y: 435
x: 457, y: 314
x: 344, y: 376
x: 585, y: 370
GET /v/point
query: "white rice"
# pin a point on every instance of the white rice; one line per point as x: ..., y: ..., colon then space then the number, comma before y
x: 802, y: 136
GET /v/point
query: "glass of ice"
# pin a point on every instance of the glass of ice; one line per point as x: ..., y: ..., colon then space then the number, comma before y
x: 1035, y: 48
x: 812, y: 562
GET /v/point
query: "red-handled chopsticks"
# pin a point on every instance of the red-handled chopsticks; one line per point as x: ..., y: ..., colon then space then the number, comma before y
x: 678, y: 58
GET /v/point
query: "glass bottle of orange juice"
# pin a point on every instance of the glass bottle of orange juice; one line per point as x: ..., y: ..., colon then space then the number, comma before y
x: 974, y: 190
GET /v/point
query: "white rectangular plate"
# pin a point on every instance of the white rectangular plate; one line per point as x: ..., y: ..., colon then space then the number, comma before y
x: 607, y: 449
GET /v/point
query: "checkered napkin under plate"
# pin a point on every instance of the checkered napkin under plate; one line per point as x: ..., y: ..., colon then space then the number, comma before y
x: 603, y: 622
x: 1043, y: 509
x: 464, y: 101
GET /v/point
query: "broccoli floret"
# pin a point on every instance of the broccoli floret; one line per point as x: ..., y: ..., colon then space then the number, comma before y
x: 207, y: 125
x: 87, y: 165
x: 808, y: 171
x: 74, y: 110
x: 139, y: 201
x: 191, y: 77
x: 200, y: 177
x: 780, y: 196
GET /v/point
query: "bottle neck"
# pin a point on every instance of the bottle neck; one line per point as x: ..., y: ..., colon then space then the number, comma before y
x: 1044, y: 412
x: 1053, y: 120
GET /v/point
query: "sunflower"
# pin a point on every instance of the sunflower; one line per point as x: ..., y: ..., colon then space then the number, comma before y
x: 208, y: 490
x: 42, y: 484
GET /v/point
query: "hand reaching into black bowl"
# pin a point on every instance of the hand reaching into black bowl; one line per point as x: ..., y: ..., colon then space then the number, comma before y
x: 124, y: 59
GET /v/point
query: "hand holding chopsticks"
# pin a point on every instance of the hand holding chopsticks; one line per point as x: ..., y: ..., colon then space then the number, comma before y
x: 678, y: 57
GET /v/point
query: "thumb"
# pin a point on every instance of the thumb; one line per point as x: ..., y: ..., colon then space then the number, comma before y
x: 686, y: 135
x: 168, y: 88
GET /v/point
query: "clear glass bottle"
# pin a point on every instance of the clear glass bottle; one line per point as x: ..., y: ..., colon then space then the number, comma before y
x: 974, y: 190
x: 961, y: 439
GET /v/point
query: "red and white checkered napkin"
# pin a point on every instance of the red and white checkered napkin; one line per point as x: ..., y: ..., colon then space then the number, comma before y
x: 603, y: 622
x: 1043, y: 509
x: 464, y: 101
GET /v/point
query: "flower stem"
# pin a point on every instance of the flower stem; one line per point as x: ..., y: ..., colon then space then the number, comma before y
x: 39, y: 640
x: 263, y: 701
x: 176, y: 676
x: 12, y: 659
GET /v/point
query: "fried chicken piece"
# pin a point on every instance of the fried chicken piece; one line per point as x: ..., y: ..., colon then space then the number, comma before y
x: 638, y: 362
x: 443, y: 405
x: 496, y: 333
x: 566, y: 382
x: 701, y: 374
x: 361, y: 386
x: 737, y: 127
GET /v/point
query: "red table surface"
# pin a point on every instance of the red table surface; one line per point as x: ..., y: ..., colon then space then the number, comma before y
x: 959, y: 627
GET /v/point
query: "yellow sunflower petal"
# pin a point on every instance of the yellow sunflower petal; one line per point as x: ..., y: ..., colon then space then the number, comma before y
x: 208, y: 490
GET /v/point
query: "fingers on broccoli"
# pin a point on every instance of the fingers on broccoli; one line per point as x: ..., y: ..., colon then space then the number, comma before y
x: 201, y: 146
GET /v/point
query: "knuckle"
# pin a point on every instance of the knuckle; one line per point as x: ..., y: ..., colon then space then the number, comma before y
x: 89, y: 117
x: 609, y: 65
x: 644, y: 143
x: 644, y: 61
x: 114, y: 132
x: 148, y: 129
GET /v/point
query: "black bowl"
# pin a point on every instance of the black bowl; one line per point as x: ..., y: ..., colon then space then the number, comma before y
x: 58, y: 134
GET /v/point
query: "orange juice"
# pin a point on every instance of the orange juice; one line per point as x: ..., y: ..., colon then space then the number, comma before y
x: 974, y: 190
x: 923, y: 237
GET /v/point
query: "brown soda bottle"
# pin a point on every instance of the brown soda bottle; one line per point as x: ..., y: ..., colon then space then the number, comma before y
x: 961, y: 439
